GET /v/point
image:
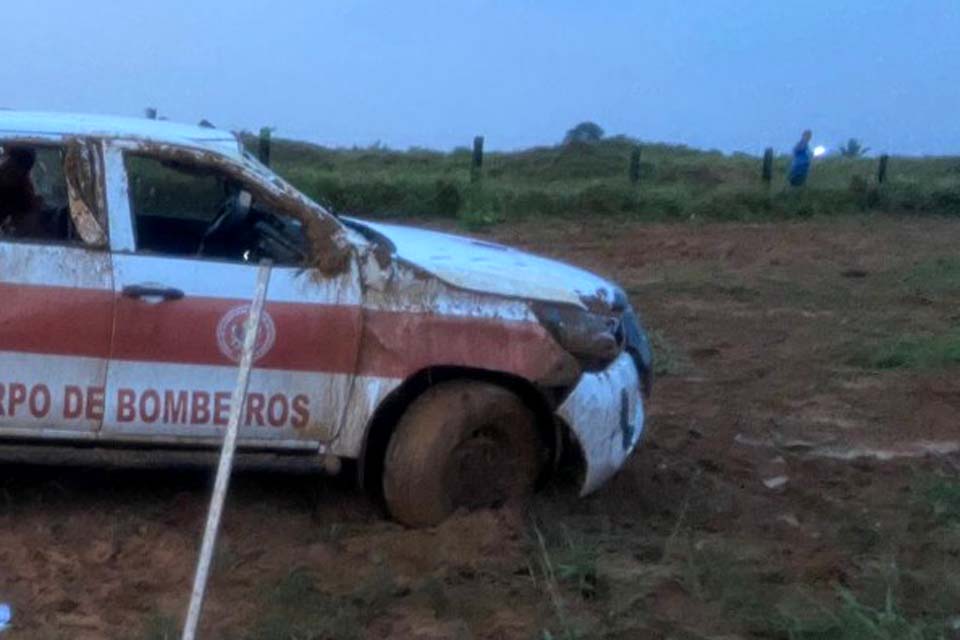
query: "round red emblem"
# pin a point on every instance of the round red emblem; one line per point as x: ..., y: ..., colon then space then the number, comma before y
x: 230, y: 333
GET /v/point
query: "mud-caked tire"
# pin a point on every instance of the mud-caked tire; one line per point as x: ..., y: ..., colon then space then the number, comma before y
x: 462, y: 444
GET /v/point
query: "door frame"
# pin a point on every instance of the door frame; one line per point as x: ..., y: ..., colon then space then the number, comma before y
x: 46, y: 265
x: 288, y: 284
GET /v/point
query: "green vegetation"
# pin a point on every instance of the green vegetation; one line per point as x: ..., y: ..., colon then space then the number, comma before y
x: 854, y: 620
x: 574, y: 560
x: 913, y: 352
x: 719, y: 574
x: 903, y: 585
x: 853, y: 148
x: 750, y: 594
x: 593, y: 178
x: 296, y: 609
x: 564, y: 562
x: 942, y: 496
x: 159, y: 626
x: 584, y: 132
x: 669, y: 359
x: 936, y: 276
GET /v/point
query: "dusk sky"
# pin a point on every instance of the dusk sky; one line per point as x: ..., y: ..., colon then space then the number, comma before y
x: 725, y: 74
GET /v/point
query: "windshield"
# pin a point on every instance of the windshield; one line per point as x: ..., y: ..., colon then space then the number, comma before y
x: 252, y: 163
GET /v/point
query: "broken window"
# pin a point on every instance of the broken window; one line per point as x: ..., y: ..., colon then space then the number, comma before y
x: 192, y: 210
x: 36, y: 194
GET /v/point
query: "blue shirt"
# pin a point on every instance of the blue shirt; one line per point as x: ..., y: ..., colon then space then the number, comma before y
x: 800, y: 166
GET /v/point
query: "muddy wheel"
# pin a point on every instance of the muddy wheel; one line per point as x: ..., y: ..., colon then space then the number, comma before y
x: 462, y: 444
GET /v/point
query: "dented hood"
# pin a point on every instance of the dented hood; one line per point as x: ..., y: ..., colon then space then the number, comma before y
x: 487, y: 267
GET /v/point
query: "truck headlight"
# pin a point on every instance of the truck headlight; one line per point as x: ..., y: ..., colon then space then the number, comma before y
x: 594, y: 339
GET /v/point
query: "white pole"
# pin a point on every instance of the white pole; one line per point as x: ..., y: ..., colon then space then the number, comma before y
x: 226, y: 455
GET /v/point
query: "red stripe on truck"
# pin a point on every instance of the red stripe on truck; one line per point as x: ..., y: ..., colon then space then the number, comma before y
x: 399, y: 344
x: 308, y: 337
x: 55, y: 320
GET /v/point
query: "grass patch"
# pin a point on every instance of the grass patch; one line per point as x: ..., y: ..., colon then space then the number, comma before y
x: 854, y: 620
x: 698, y: 280
x: 580, y: 180
x: 668, y: 358
x: 481, y: 209
x: 913, y: 352
x: 569, y: 559
x: 761, y: 602
x: 160, y: 626
x: 575, y: 563
x: 743, y: 588
x: 942, y: 497
x: 565, y: 562
x: 936, y: 276
x: 295, y: 609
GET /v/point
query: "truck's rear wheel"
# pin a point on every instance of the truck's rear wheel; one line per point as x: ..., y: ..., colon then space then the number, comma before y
x: 462, y: 444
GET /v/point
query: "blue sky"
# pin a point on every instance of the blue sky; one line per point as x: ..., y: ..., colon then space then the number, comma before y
x: 726, y: 74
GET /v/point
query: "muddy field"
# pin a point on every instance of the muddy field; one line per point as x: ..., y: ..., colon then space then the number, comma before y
x: 798, y: 479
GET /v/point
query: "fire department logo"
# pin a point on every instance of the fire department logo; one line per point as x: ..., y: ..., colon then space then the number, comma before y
x: 230, y: 333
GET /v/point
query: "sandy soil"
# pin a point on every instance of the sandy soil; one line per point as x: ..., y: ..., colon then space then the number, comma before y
x: 775, y: 472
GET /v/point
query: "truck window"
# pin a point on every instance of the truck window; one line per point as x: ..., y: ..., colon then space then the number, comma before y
x: 190, y: 210
x: 34, y: 204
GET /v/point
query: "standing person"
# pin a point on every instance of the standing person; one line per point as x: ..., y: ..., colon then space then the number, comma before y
x: 800, y: 166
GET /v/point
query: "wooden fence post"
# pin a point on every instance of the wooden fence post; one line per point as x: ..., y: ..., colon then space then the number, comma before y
x: 263, y: 152
x: 766, y: 172
x: 476, y: 164
x: 882, y: 169
x: 634, y: 171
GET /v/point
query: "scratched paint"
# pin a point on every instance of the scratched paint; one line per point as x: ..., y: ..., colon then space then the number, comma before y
x: 492, y: 268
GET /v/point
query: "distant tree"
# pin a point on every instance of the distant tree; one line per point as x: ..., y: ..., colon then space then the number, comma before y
x: 584, y: 132
x: 852, y: 149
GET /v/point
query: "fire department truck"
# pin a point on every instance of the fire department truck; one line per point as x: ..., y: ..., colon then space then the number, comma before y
x: 455, y: 372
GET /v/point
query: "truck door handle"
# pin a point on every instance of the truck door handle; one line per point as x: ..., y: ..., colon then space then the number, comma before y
x: 143, y: 291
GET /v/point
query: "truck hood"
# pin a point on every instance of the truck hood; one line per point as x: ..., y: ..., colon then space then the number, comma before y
x: 488, y: 267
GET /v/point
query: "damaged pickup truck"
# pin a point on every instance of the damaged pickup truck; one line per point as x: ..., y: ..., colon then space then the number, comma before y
x: 454, y: 372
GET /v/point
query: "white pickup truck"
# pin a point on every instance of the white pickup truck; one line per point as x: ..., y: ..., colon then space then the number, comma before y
x: 455, y: 372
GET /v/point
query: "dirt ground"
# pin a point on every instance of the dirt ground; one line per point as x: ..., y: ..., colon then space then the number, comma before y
x: 789, y: 480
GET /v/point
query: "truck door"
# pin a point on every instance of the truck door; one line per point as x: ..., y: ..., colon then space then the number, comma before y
x: 190, y: 235
x: 56, y: 290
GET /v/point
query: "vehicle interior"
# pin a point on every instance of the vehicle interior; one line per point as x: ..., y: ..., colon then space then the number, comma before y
x: 190, y: 210
x: 33, y: 194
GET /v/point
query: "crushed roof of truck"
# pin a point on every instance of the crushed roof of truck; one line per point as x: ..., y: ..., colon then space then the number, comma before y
x: 28, y: 124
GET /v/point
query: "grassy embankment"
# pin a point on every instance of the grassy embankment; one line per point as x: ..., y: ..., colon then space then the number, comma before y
x: 676, y: 183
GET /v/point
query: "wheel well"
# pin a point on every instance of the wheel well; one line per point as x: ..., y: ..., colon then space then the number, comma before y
x: 381, y: 426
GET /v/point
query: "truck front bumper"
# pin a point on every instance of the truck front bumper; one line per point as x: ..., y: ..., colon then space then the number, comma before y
x: 605, y: 415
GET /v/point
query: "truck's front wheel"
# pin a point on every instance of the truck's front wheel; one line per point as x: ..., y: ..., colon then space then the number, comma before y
x: 462, y: 444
